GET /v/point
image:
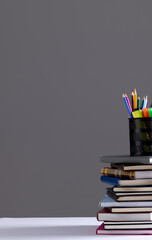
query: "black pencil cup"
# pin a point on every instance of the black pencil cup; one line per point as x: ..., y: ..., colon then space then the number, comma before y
x: 140, y: 131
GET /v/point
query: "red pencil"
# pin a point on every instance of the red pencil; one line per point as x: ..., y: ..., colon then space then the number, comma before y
x: 132, y: 100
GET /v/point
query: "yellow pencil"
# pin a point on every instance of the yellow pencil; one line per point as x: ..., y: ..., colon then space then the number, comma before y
x: 135, y: 99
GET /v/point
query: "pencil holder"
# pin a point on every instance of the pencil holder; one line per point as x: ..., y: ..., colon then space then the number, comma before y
x: 140, y: 132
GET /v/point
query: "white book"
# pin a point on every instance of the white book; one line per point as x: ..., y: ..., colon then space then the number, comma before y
x: 106, y: 215
x: 128, y: 225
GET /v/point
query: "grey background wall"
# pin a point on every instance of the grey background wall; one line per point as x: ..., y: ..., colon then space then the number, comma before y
x: 63, y: 68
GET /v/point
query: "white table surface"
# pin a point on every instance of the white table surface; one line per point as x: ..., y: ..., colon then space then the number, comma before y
x: 54, y: 228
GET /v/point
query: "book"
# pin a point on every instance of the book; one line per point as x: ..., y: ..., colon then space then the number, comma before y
x: 126, y: 159
x: 128, y: 193
x: 101, y: 231
x: 128, y: 167
x: 132, y: 189
x: 130, y: 198
x: 124, y: 182
x: 110, y: 180
x: 112, y: 172
x: 105, y: 215
x: 107, y: 201
x: 130, y: 209
x: 128, y: 225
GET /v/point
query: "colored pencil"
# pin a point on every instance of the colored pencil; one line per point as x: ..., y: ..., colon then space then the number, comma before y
x: 142, y: 102
x: 135, y: 99
x: 146, y: 101
x: 132, y: 100
x: 126, y: 104
x: 138, y: 103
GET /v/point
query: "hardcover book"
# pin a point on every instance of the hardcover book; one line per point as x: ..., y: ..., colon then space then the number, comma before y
x: 124, y: 182
x: 124, y: 198
x: 128, y: 167
x: 101, y: 231
x: 126, y: 159
x: 112, y: 172
x: 130, y: 209
x: 129, y: 193
x: 106, y: 215
x: 128, y: 225
x: 132, y: 189
x: 107, y: 201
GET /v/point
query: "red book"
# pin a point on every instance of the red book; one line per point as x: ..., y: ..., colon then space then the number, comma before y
x: 101, y: 231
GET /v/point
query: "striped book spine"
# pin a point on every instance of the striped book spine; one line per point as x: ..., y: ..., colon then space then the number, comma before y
x: 112, y: 172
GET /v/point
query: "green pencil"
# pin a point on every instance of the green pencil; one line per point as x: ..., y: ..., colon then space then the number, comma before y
x: 142, y: 102
x: 138, y: 103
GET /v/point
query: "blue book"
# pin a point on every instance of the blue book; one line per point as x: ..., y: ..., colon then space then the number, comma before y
x: 110, y: 180
x: 107, y: 201
x: 125, y: 182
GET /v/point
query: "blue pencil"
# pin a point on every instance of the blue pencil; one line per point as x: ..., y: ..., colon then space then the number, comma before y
x: 144, y: 103
x: 126, y: 104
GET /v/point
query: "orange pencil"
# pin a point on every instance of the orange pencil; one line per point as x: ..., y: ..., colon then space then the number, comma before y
x: 145, y: 112
x: 135, y: 99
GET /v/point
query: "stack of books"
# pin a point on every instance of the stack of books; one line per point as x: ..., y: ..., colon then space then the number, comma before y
x: 127, y: 207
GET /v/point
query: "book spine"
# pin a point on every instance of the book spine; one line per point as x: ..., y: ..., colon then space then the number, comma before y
x: 112, y: 195
x: 110, y: 180
x: 118, y: 166
x: 112, y: 172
